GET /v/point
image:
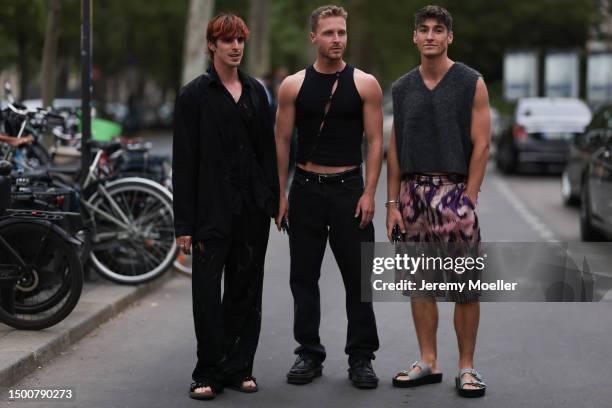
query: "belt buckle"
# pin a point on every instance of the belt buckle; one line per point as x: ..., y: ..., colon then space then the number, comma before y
x: 320, y: 178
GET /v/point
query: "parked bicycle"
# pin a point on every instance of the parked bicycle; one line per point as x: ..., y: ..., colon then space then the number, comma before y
x: 41, y: 278
x: 129, y: 219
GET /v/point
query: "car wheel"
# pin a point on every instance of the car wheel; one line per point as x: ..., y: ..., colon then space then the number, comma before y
x: 568, y: 196
x: 506, y: 158
x: 588, y: 232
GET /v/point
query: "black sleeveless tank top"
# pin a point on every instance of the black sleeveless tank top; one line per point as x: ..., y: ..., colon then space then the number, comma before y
x: 338, y: 142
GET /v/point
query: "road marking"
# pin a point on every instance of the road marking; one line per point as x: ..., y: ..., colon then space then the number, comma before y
x: 526, y: 214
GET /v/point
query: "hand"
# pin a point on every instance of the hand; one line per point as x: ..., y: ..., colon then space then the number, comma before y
x: 283, y: 210
x: 184, y: 243
x: 473, y: 196
x: 394, y: 217
x: 18, y: 141
x: 365, y: 208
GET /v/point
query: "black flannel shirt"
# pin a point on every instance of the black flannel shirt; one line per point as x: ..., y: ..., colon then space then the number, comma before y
x: 203, y: 151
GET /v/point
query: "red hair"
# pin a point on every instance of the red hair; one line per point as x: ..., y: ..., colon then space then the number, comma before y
x: 226, y: 26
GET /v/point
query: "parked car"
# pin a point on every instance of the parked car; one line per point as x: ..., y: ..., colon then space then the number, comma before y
x: 580, y: 151
x: 541, y: 132
x: 596, y: 181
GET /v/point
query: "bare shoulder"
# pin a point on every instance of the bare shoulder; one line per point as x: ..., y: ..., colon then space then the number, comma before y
x: 291, y: 85
x: 367, y: 85
x: 481, y: 95
x: 480, y: 85
x: 364, y: 78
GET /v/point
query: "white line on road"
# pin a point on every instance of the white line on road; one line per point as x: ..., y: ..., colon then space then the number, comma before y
x: 526, y: 214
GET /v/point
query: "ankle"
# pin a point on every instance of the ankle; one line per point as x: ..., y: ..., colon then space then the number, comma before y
x: 430, y: 360
x: 466, y: 364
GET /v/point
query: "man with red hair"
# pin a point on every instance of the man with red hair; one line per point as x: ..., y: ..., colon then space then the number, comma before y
x: 225, y: 192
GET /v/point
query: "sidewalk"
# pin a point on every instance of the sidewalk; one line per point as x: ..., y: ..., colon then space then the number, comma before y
x: 22, y: 352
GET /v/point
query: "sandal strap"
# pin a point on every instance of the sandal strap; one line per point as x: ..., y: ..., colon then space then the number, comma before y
x: 425, y: 371
x: 480, y: 381
x: 403, y: 372
x: 201, y: 384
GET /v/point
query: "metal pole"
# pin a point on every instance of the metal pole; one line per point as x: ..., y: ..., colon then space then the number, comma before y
x: 86, y: 86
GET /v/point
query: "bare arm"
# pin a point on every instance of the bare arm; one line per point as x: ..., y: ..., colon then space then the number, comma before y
x: 371, y: 94
x: 393, y: 169
x: 285, y: 120
x: 16, y: 141
x: 372, y: 124
x: 393, y: 186
x: 481, y: 139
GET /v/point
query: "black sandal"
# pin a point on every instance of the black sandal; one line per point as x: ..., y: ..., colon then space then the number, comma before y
x: 423, y: 377
x: 239, y: 386
x: 202, y: 395
x: 478, y: 381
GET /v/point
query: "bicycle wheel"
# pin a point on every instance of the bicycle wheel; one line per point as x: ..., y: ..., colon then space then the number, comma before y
x: 141, y: 249
x: 52, y: 281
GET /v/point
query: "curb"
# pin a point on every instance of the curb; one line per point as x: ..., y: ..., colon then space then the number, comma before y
x: 22, y: 352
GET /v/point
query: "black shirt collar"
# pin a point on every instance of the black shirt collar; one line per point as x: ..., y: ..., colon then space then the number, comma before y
x: 214, y: 77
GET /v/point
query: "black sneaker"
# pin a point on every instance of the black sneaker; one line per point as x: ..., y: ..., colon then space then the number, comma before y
x: 305, y: 369
x: 362, y: 374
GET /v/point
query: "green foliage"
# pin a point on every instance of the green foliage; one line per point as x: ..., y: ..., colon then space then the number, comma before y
x: 148, y: 35
x: 483, y: 30
x: 21, y: 36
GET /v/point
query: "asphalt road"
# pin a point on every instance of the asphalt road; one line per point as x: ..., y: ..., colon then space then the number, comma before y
x: 532, y: 354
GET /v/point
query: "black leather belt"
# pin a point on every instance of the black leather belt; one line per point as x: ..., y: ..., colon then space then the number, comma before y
x: 328, y: 178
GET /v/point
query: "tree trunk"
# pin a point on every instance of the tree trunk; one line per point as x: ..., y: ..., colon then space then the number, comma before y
x: 24, y: 72
x: 357, y: 35
x: 47, y: 76
x: 195, y: 49
x: 258, y: 50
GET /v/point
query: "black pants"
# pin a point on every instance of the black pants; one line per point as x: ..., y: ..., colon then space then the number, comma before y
x: 227, y: 331
x: 318, y: 210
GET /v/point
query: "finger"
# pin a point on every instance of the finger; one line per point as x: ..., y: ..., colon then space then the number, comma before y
x: 358, y: 210
x: 370, y: 216
x: 364, y: 220
x: 400, y: 222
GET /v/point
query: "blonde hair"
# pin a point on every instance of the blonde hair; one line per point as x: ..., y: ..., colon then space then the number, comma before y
x: 326, y: 11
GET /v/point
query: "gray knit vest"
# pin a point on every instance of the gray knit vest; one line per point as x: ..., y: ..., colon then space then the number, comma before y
x: 433, y: 127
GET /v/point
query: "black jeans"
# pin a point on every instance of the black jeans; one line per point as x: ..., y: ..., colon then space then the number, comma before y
x: 318, y: 210
x: 227, y: 331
